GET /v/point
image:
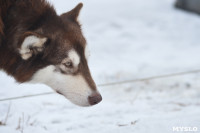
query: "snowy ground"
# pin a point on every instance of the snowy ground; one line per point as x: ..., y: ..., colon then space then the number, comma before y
x: 128, y: 39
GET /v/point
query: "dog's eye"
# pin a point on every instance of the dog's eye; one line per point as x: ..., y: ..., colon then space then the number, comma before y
x: 68, y: 64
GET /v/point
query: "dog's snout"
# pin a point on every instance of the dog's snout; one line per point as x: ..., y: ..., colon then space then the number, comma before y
x: 94, y: 98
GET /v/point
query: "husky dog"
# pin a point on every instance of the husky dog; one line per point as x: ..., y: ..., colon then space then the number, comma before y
x: 39, y: 46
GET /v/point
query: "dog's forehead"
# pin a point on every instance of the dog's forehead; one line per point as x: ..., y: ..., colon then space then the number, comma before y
x: 75, y: 41
x: 74, y: 34
x: 66, y: 42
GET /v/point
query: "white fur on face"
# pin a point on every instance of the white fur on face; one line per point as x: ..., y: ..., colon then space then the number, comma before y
x: 87, y: 52
x: 74, y: 88
x: 74, y: 57
x: 31, y: 41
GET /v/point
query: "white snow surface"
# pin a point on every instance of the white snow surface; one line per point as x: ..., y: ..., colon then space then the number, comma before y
x: 128, y: 39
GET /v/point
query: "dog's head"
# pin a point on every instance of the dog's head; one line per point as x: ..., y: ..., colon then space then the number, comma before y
x: 58, y: 50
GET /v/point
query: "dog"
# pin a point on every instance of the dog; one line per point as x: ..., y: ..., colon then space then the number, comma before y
x: 39, y: 46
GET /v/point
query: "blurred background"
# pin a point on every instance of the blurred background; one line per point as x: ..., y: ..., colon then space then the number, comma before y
x: 128, y: 40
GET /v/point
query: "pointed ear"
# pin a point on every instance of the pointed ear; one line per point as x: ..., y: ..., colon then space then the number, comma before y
x: 32, y: 44
x: 73, y: 14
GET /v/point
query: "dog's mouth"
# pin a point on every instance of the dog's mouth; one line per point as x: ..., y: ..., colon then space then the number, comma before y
x: 80, y: 99
x: 59, y: 92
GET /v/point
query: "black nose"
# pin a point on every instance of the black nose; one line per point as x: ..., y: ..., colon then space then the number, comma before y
x: 94, y: 98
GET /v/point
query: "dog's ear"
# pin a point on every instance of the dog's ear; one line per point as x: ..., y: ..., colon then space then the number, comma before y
x: 73, y: 14
x: 31, y: 44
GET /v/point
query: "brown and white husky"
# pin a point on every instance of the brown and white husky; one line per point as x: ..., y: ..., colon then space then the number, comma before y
x: 39, y: 46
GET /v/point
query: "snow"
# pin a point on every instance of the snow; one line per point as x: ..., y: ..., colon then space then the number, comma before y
x: 128, y: 39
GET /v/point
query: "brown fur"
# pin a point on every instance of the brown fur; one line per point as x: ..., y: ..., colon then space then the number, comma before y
x: 18, y: 18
